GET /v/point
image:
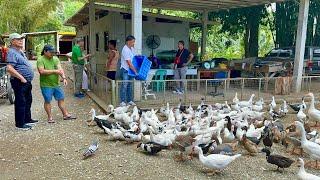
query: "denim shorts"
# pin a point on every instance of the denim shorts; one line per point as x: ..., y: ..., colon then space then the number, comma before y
x: 48, y: 92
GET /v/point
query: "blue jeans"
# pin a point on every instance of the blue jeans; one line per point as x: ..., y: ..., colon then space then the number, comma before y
x: 23, y: 101
x: 126, y: 87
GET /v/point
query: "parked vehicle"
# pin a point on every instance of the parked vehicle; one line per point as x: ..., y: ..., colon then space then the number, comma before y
x: 287, y: 55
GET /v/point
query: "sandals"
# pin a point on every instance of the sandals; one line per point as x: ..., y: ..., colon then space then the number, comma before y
x: 69, y: 117
x: 50, y: 121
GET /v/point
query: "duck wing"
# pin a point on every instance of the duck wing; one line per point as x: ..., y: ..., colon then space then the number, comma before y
x: 280, y: 161
x: 295, y: 107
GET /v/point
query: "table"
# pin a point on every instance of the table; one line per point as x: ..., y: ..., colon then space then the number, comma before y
x: 215, y: 70
x: 170, y: 72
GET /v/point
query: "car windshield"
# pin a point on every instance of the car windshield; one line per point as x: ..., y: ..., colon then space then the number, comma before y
x: 316, y: 53
x: 273, y: 53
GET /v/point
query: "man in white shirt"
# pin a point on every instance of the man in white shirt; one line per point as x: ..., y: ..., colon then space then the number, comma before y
x: 127, y: 54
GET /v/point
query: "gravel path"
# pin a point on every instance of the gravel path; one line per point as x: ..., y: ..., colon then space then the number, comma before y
x: 54, y: 151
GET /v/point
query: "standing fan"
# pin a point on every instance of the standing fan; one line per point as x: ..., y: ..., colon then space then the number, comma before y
x: 153, y: 42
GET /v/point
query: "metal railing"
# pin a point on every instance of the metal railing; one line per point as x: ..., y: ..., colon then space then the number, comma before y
x: 211, y: 90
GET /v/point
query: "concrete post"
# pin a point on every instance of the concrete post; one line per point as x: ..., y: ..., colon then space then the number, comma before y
x: 137, y: 33
x: 92, y: 36
x: 137, y: 24
x: 204, y: 33
x: 300, y: 43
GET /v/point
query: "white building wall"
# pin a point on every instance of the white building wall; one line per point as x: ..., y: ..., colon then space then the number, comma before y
x: 118, y: 28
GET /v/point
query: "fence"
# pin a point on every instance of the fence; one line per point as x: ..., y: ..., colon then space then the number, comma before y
x: 211, y: 90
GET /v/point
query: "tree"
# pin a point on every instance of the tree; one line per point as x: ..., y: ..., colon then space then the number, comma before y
x: 241, y: 20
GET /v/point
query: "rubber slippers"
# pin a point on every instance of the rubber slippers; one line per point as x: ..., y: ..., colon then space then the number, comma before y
x: 51, y: 121
x: 69, y: 117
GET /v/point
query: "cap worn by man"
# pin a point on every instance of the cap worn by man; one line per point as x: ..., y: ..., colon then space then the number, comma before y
x: 15, y: 36
x: 49, y: 48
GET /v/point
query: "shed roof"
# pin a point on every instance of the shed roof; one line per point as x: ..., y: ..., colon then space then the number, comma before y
x: 184, y: 5
x: 195, y: 5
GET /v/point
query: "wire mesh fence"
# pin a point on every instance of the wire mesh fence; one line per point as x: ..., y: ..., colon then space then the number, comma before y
x: 155, y: 93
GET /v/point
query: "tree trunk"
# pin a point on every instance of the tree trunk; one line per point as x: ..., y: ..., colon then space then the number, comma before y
x: 251, y: 36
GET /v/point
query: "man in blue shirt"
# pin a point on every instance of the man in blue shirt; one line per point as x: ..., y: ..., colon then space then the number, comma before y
x: 22, y: 74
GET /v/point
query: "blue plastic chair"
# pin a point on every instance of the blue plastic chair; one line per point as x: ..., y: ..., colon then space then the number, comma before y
x: 216, y: 82
x: 159, y: 76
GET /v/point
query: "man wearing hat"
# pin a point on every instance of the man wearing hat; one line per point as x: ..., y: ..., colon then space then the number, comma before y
x: 22, y: 74
x: 50, y: 69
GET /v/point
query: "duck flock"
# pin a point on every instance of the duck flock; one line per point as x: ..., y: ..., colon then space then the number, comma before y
x: 215, y: 133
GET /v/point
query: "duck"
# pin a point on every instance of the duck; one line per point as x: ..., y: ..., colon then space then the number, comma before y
x: 278, y: 160
x: 296, y: 107
x: 99, y: 119
x: 301, y: 116
x: 216, y: 161
x: 225, y: 148
x: 273, y: 113
x: 132, y: 136
x: 235, y: 100
x: 302, y: 174
x: 185, y: 144
x: 206, y: 147
x: 118, y: 110
x: 247, y: 103
x: 151, y: 147
x: 313, y: 112
x: 249, y: 145
x: 267, y: 138
x: 228, y: 136
x: 91, y: 150
x: 312, y: 148
x: 115, y: 134
x: 284, y: 108
x: 273, y: 103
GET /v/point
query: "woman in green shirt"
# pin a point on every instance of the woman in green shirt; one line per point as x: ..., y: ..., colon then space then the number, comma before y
x: 50, y: 69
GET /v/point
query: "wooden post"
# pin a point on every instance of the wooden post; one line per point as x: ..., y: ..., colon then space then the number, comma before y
x: 204, y: 33
x: 92, y: 36
x: 300, y: 43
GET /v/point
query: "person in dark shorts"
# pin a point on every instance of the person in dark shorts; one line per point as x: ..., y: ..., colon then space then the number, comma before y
x: 113, y: 58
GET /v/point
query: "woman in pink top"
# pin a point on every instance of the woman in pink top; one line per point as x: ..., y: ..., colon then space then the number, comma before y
x: 113, y: 58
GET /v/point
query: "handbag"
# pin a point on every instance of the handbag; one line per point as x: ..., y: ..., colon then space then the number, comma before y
x: 177, y: 59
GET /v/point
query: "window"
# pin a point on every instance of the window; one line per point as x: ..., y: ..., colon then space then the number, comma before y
x: 106, y: 41
x: 97, y: 42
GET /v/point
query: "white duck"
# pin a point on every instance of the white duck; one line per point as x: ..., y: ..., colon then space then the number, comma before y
x: 302, y: 174
x: 247, y: 103
x: 119, y: 110
x: 235, y: 100
x: 102, y: 117
x: 313, y: 112
x: 312, y: 148
x: 284, y: 107
x: 273, y: 103
x: 115, y: 134
x: 227, y: 135
x: 215, y: 161
x: 301, y: 116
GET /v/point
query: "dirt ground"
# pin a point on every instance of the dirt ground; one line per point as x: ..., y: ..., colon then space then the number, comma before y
x: 54, y: 151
